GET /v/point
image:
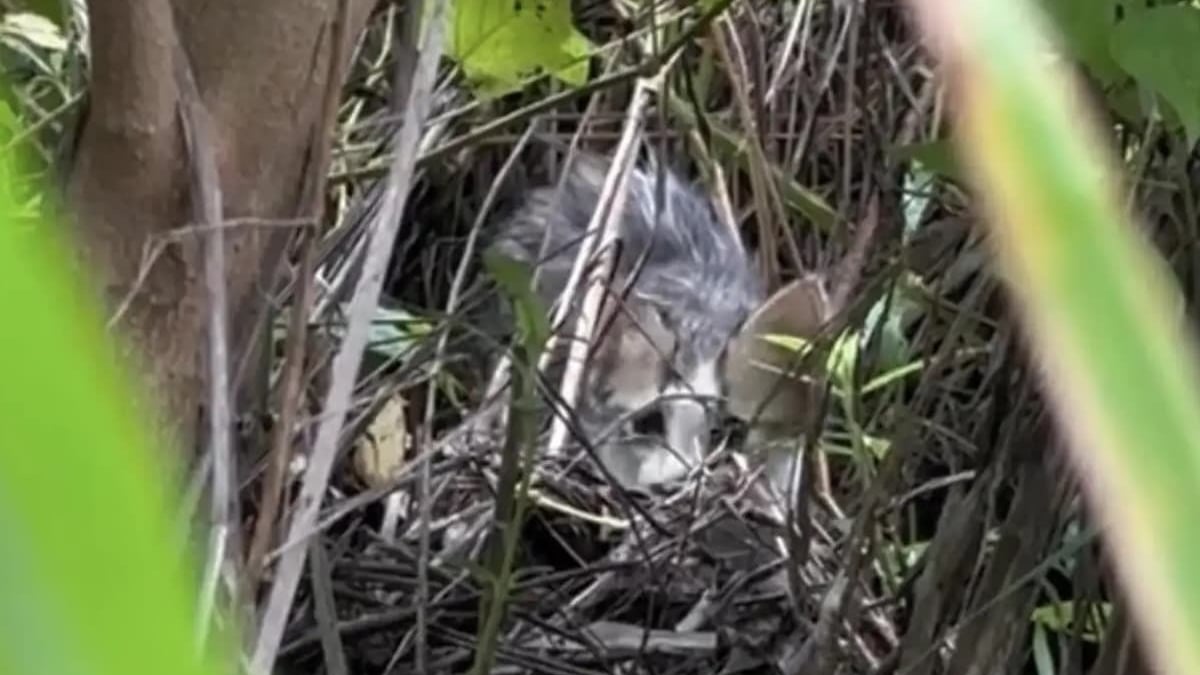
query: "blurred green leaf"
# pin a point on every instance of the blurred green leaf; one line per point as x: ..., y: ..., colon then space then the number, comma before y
x: 1085, y: 27
x: 53, y: 11
x: 90, y: 565
x: 9, y: 125
x: 1158, y: 46
x: 1124, y: 101
x: 919, y: 189
x: 936, y: 156
x: 503, y: 43
x: 35, y: 29
x: 788, y: 342
x: 891, y: 358
x: 394, y: 332
x: 1096, y: 299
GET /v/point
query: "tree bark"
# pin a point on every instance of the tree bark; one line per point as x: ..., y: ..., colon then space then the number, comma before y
x: 260, y: 68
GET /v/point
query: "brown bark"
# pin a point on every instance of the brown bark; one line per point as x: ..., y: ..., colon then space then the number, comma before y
x: 260, y: 68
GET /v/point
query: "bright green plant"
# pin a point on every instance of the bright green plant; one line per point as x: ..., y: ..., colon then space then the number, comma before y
x: 512, y: 494
x: 501, y: 44
x: 92, y: 575
x: 1120, y: 370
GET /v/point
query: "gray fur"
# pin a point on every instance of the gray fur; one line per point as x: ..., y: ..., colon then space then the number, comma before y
x: 696, y: 273
x: 696, y: 277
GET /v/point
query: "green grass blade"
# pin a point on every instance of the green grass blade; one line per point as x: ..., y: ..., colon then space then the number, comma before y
x: 90, y: 571
x: 1119, y: 368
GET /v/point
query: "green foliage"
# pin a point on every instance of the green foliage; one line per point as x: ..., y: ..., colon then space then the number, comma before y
x: 1085, y: 27
x: 1061, y: 617
x: 1096, y: 302
x: 891, y: 358
x: 394, y: 333
x: 844, y: 363
x: 1158, y: 47
x: 1126, y: 46
x: 34, y: 54
x: 54, y: 11
x: 502, y: 43
x: 90, y: 571
x: 516, y: 282
x: 900, y: 559
x: 934, y: 156
x: 1155, y: 47
x: 36, y: 30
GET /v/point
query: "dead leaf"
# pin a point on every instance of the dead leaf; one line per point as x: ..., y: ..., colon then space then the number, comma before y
x: 380, y: 452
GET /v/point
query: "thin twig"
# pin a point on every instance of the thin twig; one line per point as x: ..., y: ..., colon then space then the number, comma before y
x: 603, y: 232
x: 313, y: 202
x: 346, y: 363
x: 155, y: 245
x: 325, y: 608
x: 800, y: 15
x: 406, y: 69
x: 206, y: 210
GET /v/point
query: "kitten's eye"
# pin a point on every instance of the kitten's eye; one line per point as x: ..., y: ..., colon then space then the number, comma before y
x: 649, y: 423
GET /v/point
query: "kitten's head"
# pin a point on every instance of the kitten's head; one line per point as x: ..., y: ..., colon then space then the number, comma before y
x: 681, y: 325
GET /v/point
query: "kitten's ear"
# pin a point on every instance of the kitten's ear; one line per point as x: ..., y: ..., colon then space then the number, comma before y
x: 757, y: 372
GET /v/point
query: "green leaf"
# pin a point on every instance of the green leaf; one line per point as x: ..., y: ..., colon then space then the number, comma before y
x: 1085, y: 27
x: 1124, y: 101
x: 91, y: 573
x: 53, y: 11
x: 788, y: 342
x: 35, y: 29
x: 393, y: 339
x: 516, y: 281
x: 10, y: 125
x: 1118, y: 363
x: 1158, y: 46
x: 1060, y: 618
x: 879, y: 447
x: 502, y: 43
x: 936, y: 156
x: 394, y: 332
x: 840, y: 361
x: 893, y: 347
x: 1041, y: 652
x: 899, y: 559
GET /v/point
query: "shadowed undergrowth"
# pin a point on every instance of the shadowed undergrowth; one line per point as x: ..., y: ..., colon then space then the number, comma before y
x: 940, y: 528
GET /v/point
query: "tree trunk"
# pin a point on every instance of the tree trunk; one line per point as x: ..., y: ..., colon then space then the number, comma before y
x: 260, y: 68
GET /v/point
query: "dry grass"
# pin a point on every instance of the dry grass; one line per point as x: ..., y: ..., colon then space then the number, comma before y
x: 937, y: 514
x: 925, y: 557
